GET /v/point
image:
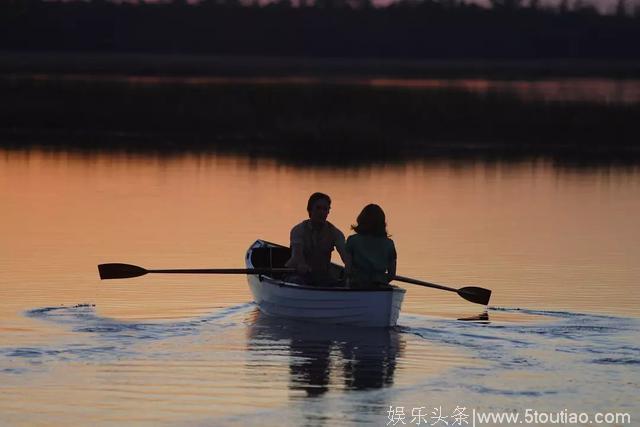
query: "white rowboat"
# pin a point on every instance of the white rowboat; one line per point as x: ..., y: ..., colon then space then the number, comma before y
x: 335, y: 305
x: 277, y: 295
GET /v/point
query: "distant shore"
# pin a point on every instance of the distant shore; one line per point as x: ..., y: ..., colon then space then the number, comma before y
x: 335, y: 123
x: 149, y: 64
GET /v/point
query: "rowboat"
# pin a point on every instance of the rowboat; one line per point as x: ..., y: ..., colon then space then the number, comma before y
x: 276, y: 296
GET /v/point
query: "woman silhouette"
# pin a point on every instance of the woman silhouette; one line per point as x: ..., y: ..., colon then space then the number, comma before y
x: 372, y: 252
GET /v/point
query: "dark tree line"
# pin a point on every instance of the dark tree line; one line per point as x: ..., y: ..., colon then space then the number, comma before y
x: 338, y: 122
x: 325, y: 28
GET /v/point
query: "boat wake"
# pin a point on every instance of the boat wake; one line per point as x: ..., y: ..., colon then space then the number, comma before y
x: 101, y: 339
x: 585, y: 362
x: 83, y: 318
x: 568, y: 354
x: 594, y: 338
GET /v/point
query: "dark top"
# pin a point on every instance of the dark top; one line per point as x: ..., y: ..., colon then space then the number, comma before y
x: 317, y: 244
x: 370, y: 258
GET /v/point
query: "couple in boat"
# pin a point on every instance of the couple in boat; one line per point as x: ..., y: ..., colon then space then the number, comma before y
x: 369, y: 255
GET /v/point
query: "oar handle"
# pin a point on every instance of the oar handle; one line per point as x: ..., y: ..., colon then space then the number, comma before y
x: 124, y: 271
x: 225, y: 271
x: 423, y: 283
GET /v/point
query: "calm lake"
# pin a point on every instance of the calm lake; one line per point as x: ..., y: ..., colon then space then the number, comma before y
x: 558, y: 245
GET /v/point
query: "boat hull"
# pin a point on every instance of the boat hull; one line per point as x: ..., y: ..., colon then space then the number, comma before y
x: 355, y: 307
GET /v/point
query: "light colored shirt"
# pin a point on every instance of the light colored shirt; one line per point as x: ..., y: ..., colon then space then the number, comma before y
x: 317, y: 245
x: 371, y: 257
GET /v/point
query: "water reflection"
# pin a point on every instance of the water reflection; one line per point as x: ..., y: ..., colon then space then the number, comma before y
x: 207, y: 160
x: 607, y: 90
x: 323, y: 357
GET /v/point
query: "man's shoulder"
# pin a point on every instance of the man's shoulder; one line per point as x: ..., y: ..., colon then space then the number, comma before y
x: 300, y: 226
x: 298, y: 232
x: 335, y: 230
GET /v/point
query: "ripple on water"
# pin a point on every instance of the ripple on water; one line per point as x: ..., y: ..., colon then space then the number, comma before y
x: 237, y: 363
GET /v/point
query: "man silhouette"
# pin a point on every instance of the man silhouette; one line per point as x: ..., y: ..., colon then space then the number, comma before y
x: 312, y: 242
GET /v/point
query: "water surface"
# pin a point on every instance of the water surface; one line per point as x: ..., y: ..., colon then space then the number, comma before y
x: 557, y: 245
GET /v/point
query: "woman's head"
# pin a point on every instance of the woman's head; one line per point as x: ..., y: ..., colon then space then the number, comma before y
x: 371, y: 221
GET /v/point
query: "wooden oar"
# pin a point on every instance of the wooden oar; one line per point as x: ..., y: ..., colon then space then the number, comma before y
x: 470, y: 293
x: 123, y: 271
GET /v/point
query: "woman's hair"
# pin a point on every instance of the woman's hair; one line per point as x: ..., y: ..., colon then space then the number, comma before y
x: 371, y: 221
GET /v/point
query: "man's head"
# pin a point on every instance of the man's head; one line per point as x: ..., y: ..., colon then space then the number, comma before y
x: 318, y: 206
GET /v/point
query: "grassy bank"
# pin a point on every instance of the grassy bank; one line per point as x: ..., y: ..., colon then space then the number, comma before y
x: 302, y: 120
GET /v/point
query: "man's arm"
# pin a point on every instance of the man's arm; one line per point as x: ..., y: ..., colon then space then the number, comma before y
x: 297, y: 260
x: 342, y: 250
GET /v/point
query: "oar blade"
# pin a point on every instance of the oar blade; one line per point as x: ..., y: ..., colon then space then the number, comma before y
x: 475, y: 294
x: 120, y: 271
